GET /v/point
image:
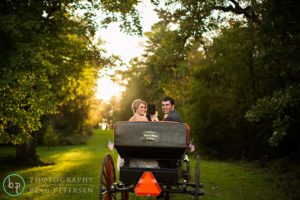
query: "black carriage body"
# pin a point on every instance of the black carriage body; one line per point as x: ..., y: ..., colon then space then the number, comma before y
x: 165, y: 142
x: 164, y: 176
x: 150, y: 140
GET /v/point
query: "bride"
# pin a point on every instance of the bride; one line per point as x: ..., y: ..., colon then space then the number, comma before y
x: 139, y: 108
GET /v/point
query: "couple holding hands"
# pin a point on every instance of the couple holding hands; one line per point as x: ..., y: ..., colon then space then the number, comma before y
x: 144, y: 112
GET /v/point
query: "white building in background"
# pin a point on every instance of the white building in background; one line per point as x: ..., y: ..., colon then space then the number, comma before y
x: 104, y: 125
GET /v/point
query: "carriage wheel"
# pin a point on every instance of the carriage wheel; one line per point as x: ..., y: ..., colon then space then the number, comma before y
x: 197, y: 178
x: 107, y: 179
x: 124, y: 195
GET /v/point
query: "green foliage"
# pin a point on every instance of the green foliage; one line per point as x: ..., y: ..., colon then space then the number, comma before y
x: 160, y: 72
x: 164, y: 55
x: 74, y: 139
x: 51, y: 138
x: 122, y: 11
x: 70, y: 122
x: 220, y: 92
x: 239, y: 88
x: 136, y: 89
x: 46, y: 51
x: 278, y: 55
x: 280, y: 109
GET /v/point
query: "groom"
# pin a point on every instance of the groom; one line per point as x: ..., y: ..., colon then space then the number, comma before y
x: 168, y: 107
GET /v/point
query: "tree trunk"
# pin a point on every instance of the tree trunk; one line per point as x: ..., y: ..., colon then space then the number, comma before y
x: 26, y: 153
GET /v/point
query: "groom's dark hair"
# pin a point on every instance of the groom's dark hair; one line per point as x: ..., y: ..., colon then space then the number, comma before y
x: 169, y: 99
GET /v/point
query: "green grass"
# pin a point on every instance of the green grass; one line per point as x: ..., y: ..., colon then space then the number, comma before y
x: 222, y: 180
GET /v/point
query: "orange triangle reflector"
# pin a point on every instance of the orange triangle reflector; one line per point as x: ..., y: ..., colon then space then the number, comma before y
x: 147, y: 185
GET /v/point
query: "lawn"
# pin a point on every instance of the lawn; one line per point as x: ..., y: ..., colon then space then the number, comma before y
x: 76, y: 170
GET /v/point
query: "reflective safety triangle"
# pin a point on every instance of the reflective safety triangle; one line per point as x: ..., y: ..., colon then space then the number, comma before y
x: 147, y: 185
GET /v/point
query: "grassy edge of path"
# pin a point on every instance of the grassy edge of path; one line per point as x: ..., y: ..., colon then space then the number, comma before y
x: 75, y: 175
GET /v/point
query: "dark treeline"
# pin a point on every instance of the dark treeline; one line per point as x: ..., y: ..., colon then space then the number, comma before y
x: 233, y: 69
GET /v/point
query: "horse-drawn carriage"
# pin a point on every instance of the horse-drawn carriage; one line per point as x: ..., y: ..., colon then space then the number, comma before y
x: 164, y: 146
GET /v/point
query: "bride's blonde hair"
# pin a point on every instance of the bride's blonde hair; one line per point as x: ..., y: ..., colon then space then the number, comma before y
x: 136, y: 103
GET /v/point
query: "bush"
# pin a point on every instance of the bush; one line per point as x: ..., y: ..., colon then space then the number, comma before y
x: 50, y: 138
x: 74, y: 139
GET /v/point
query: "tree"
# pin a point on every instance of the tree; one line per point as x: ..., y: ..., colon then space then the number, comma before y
x: 219, y: 94
x: 278, y: 54
x: 44, y: 48
x: 135, y: 89
x: 160, y: 71
x: 273, y: 66
x: 260, y: 66
x: 50, y: 138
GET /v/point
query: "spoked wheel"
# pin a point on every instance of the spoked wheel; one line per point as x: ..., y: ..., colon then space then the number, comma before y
x: 197, y: 178
x: 107, y: 179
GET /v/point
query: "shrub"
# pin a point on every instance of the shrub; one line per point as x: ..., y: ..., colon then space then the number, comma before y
x: 50, y: 138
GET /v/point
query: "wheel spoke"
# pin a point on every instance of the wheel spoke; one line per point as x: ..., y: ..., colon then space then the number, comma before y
x: 124, y: 195
x: 107, y: 196
x: 104, y: 192
x: 105, y: 184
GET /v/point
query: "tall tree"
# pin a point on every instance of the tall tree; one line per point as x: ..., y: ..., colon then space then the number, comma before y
x: 44, y: 48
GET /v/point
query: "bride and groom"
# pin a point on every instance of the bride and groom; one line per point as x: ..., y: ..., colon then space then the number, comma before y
x: 140, y: 114
x: 140, y: 108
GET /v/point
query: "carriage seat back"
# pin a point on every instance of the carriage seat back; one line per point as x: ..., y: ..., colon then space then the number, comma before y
x: 151, y: 140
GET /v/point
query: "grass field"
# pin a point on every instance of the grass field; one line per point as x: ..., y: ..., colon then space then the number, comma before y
x: 75, y: 175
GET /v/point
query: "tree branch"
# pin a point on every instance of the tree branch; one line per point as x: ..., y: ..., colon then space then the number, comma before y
x: 53, y: 10
x: 237, y: 9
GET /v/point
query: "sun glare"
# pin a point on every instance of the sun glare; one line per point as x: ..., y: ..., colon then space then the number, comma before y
x: 106, y: 89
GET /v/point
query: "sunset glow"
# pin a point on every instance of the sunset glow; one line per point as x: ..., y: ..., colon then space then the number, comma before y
x: 106, y: 89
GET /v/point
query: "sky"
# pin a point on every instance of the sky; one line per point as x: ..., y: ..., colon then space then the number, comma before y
x: 125, y: 46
